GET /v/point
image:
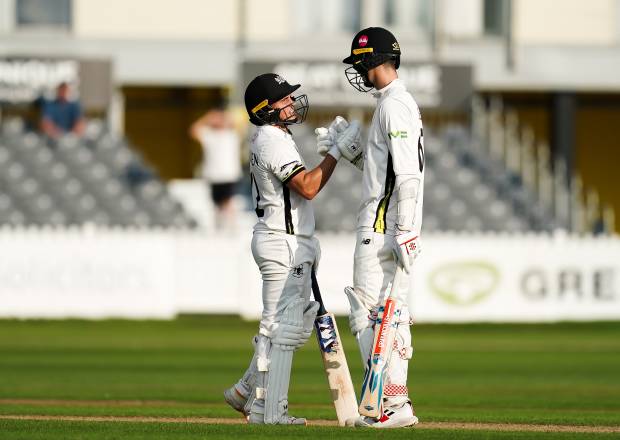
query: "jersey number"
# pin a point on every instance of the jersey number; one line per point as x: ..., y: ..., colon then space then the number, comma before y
x: 421, y: 151
x: 259, y: 212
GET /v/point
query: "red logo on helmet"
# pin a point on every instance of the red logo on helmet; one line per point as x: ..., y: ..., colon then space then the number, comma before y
x: 363, y: 41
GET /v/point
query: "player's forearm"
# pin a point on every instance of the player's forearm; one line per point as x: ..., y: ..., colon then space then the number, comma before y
x: 327, y: 167
x: 309, y: 183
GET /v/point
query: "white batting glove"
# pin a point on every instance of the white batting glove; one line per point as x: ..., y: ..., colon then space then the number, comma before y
x: 349, y: 145
x: 406, y: 247
x: 326, y: 137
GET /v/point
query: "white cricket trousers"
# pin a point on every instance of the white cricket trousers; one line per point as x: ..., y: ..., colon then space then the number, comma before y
x: 374, y: 268
x: 285, y: 262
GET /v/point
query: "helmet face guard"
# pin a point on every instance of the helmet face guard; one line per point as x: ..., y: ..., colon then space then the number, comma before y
x: 358, y: 78
x: 357, y: 74
x: 271, y: 116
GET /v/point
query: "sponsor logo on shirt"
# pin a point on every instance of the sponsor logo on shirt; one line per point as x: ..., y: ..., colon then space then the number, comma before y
x: 397, y: 134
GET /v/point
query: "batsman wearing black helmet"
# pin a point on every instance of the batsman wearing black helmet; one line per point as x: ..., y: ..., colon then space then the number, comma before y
x: 390, y: 214
x: 283, y: 246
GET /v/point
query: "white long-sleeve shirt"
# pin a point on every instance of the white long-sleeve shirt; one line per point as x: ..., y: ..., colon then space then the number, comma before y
x: 394, y: 152
x: 274, y: 161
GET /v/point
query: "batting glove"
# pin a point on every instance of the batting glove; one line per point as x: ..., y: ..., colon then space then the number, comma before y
x: 349, y: 145
x: 326, y: 137
x: 406, y: 247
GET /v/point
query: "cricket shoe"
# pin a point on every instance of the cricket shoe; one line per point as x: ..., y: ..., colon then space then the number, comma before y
x: 237, y: 400
x: 392, y: 418
x: 284, y: 420
x: 257, y: 417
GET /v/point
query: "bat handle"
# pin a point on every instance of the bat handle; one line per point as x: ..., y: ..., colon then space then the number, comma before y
x: 317, y: 294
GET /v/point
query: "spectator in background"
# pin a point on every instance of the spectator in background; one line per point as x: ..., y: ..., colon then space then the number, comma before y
x: 61, y: 115
x: 215, y: 131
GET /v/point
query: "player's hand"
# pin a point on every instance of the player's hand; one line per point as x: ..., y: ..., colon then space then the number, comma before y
x: 326, y: 137
x: 406, y: 247
x: 349, y: 145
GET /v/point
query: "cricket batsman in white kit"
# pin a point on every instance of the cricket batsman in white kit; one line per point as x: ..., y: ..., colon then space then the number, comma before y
x: 390, y: 215
x: 283, y: 246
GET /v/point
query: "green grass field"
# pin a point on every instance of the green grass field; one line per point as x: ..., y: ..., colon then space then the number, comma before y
x: 562, y: 374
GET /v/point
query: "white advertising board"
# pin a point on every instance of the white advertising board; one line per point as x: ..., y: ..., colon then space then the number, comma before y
x: 458, y: 278
x: 54, y: 274
x: 517, y: 279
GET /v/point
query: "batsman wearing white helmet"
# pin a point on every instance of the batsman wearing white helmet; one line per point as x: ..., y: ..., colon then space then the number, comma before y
x: 390, y: 215
x: 283, y: 246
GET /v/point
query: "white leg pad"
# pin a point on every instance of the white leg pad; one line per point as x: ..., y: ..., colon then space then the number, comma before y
x: 245, y: 386
x: 365, y: 338
x: 281, y: 359
x: 395, y: 391
x: 361, y: 322
x: 257, y: 406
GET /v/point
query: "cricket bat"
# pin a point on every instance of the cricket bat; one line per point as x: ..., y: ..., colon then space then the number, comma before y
x: 334, y: 360
x: 371, y: 399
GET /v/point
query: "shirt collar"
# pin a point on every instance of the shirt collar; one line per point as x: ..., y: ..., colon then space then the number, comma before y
x: 275, y: 131
x: 395, y: 84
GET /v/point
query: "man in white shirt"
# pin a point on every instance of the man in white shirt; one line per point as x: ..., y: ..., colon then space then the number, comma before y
x: 283, y: 246
x: 390, y: 215
x: 221, y: 164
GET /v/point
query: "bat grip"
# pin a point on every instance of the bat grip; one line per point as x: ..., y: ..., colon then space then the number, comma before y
x: 317, y: 294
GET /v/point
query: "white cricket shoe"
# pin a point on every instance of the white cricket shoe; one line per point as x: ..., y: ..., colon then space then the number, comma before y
x: 257, y: 415
x: 237, y: 400
x: 258, y: 419
x: 392, y: 418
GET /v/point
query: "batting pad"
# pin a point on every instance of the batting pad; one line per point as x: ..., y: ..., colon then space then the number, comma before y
x: 276, y: 400
x: 360, y: 323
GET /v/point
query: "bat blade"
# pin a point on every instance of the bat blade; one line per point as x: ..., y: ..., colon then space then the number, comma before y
x: 371, y: 398
x: 336, y: 368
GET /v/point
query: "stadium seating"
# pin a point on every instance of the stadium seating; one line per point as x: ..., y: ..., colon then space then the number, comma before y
x: 94, y: 180
x: 99, y: 179
x: 465, y: 190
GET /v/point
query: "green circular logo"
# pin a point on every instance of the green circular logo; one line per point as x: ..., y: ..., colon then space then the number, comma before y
x: 464, y: 283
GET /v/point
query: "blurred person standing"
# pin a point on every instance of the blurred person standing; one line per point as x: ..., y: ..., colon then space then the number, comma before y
x: 390, y: 215
x: 221, y: 165
x: 62, y: 115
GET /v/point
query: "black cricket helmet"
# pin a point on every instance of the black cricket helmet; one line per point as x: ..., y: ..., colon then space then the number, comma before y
x: 370, y: 48
x: 268, y: 88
